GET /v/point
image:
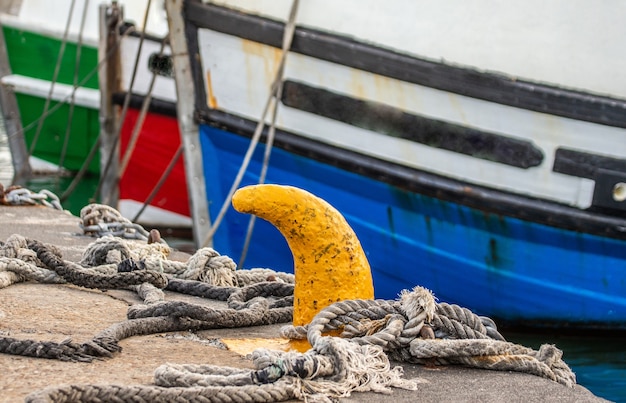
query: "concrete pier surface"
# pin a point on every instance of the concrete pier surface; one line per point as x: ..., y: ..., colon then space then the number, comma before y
x: 55, y: 312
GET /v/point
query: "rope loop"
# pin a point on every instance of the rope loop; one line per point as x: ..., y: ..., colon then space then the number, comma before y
x: 208, y: 266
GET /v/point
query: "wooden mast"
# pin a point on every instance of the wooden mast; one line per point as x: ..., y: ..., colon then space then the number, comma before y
x: 188, y: 128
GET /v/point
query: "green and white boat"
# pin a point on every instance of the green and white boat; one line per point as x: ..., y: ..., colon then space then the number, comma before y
x: 55, y: 44
x: 52, y: 48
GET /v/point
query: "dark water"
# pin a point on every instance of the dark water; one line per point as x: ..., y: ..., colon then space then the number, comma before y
x: 599, y: 361
x: 602, y: 367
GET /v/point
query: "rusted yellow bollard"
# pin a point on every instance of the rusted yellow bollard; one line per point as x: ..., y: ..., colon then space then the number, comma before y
x: 329, y: 262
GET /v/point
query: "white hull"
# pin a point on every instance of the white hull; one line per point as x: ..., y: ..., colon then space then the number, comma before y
x: 575, y: 44
x: 241, y: 73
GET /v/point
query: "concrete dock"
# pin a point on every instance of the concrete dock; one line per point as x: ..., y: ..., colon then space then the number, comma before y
x: 54, y: 312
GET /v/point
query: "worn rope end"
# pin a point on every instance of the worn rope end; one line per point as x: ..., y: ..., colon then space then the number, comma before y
x: 419, y: 299
x: 358, y: 368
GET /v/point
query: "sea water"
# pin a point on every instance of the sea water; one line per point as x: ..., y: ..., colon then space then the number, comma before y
x: 599, y: 361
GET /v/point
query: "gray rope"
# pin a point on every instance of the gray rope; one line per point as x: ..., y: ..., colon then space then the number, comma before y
x: 186, y: 375
x: 64, y: 351
x: 16, y: 246
x: 470, y: 347
x: 277, y: 392
x: 251, y: 276
x: 75, y: 274
x: 456, y: 322
x: 200, y: 289
x: 497, y: 355
x: 240, y: 298
x: 205, y: 265
x: 23, y: 271
x: 104, y: 251
x: 105, y: 343
x: 448, y: 321
x: 149, y: 293
x: 258, y: 313
x: 143, y: 320
x: 100, y: 220
x: 256, y: 304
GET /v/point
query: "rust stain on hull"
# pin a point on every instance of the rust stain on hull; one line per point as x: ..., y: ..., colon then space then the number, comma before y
x: 211, y: 100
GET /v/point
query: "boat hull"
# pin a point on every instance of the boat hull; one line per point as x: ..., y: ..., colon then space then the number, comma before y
x: 32, y: 58
x: 497, y: 184
x: 507, y: 268
x: 154, y: 151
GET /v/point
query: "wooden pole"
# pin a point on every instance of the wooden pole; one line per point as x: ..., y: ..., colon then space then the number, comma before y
x: 12, y: 121
x: 189, y: 133
x: 109, y: 82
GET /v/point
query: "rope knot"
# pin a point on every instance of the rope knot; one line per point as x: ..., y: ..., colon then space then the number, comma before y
x: 419, y: 307
x: 16, y: 247
x: 357, y: 368
x: 106, y: 250
x: 210, y: 267
x: 13, y: 245
x: 416, y: 301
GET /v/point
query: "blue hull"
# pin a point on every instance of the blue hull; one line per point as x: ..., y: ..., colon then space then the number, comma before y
x: 507, y: 268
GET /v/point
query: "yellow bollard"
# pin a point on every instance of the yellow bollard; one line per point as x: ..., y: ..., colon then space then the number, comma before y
x: 329, y: 262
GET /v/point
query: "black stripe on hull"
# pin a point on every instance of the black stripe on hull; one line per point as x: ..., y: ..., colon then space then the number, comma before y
x: 417, y: 181
x: 585, y: 164
x: 159, y: 106
x: 394, y: 122
x: 608, y: 173
x: 464, y: 81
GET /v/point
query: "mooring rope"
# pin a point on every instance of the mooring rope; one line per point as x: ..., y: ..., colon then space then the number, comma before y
x: 414, y: 329
x: 108, y: 264
x: 277, y: 392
